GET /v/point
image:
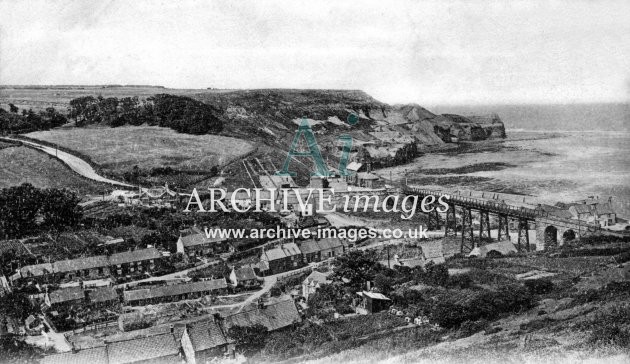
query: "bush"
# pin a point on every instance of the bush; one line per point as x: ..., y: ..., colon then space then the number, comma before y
x: 433, y: 274
x: 483, y: 305
x: 248, y: 338
x: 461, y: 281
x: 468, y: 328
x: 539, y: 286
x: 611, y: 335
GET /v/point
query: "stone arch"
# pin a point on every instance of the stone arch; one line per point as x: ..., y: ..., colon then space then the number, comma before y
x: 551, y: 236
x: 568, y: 235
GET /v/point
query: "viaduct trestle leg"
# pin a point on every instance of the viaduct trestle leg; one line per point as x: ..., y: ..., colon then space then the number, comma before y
x: 504, y: 228
x: 468, y: 238
x: 484, y: 226
x: 523, y: 235
x: 450, y: 228
x: 434, y: 220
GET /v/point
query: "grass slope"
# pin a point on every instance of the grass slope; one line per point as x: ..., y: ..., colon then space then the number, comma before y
x: 21, y: 164
x: 147, y: 146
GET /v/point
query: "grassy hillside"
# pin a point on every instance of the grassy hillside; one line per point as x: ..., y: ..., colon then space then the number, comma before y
x: 147, y: 147
x: 21, y: 164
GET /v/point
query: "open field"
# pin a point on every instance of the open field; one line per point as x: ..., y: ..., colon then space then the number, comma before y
x: 21, y: 164
x: 41, y: 97
x: 147, y: 147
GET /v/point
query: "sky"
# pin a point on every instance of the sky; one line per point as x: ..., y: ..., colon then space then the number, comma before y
x: 443, y: 52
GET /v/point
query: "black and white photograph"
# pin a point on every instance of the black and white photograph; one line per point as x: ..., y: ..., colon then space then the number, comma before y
x: 314, y: 182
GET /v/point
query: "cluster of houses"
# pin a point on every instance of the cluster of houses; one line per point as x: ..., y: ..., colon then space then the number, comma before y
x: 174, y: 292
x: 100, y: 266
x: 289, y: 256
x: 194, y: 242
x: 193, y: 342
x: 594, y: 210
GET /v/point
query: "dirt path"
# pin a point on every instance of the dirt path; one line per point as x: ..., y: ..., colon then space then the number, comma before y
x: 75, y: 163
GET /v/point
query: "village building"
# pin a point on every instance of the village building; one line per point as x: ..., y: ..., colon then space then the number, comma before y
x: 353, y: 169
x: 318, y: 250
x: 604, y: 215
x: 65, y: 299
x: 244, y: 277
x: 174, y: 292
x: 103, y: 297
x: 158, y: 349
x: 86, y: 268
x: 311, y: 251
x: 203, y: 340
x: 330, y: 247
x: 91, y: 268
x: 594, y: 210
x: 274, y: 316
x: 371, y: 302
x: 199, y: 245
x: 281, y: 259
x: 133, y: 262
x: 312, y: 283
x: 37, y: 272
x: 97, y: 355
x: 367, y: 180
x: 580, y: 212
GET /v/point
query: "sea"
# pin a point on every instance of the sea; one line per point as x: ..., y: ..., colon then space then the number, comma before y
x: 554, y: 152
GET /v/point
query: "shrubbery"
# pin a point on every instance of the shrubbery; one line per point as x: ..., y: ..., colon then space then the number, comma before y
x: 180, y: 113
x: 21, y: 206
x: 483, y: 305
x: 539, y: 286
x: 13, y: 122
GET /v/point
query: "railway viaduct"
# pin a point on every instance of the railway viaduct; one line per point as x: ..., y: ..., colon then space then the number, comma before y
x: 550, y: 230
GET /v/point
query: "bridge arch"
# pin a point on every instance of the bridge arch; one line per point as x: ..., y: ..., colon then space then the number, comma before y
x: 551, y: 236
x: 568, y: 235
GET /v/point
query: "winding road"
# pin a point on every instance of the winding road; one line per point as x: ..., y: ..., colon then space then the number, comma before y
x: 75, y: 163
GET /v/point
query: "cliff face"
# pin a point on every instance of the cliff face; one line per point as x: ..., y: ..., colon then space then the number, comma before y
x: 385, y: 133
x: 469, y: 128
x: 275, y: 113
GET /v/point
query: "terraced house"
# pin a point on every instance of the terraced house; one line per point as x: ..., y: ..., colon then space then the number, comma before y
x: 119, y: 264
x: 193, y: 342
x: 281, y: 259
x: 89, y: 268
x: 174, y: 292
x: 199, y: 245
x: 137, y: 261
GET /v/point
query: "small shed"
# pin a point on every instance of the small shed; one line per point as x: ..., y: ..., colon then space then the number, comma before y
x: 371, y: 302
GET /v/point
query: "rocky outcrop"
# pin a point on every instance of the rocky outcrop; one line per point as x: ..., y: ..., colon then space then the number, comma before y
x: 469, y: 128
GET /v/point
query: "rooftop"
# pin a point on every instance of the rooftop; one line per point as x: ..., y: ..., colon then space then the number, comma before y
x: 146, y: 349
x: 72, y: 265
x: 96, y: 355
x: 36, y: 270
x: 245, y: 273
x: 282, y: 251
x: 274, y: 316
x: 206, y: 334
x: 104, y: 294
x: 175, y: 289
x: 66, y: 295
x: 317, y: 278
x: 199, y: 239
x: 134, y: 256
x: 309, y: 247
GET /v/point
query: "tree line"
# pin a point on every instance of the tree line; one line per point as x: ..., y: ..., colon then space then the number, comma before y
x: 24, y: 209
x: 180, y: 113
x: 13, y: 121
